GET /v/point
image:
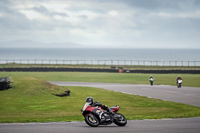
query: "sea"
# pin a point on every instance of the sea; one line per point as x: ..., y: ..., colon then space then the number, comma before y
x: 100, y: 54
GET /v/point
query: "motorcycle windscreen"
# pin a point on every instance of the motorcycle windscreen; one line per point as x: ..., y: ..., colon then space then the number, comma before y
x: 180, y: 81
x: 85, y: 106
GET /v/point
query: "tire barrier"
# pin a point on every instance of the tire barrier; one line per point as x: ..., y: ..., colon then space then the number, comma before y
x: 66, y: 93
x: 53, y: 69
x: 4, y: 83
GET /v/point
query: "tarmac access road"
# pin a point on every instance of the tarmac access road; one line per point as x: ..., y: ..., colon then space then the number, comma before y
x: 186, y: 95
x: 182, y: 125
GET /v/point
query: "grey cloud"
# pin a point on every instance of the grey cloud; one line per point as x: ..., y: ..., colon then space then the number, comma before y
x: 162, y: 5
x: 134, y: 25
x: 46, y: 12
x: 197, y: 2
x: 151, y: 4
x: 11, y: 19
x: 4, y: 2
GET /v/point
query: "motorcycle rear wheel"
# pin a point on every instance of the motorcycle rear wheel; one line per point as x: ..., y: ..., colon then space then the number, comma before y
x: 120, y: 120
x: 91, y: 120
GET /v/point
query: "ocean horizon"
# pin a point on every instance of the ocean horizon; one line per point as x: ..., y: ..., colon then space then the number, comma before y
x: 101, y: 54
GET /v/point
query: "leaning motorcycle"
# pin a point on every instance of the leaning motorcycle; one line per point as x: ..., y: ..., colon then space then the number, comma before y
x: 95, y: 116
x: 179, y: 82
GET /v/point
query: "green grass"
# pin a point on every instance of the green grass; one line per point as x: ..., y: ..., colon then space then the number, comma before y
x: 31, y: 99
x: 191, y: 80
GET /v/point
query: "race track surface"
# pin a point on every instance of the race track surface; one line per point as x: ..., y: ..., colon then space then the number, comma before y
x: 186, y: 95
x: 184, y: 125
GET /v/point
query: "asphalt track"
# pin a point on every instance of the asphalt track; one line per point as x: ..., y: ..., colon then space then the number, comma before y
x: 187, y: 95
x: 184, y: 125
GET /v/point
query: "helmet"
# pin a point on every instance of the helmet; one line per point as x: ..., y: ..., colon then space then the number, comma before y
x: 89, y: 100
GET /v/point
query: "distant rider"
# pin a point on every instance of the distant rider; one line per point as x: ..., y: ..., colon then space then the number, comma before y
x: 151, y: 80
x: 179, y: 78
x: 94, y: 104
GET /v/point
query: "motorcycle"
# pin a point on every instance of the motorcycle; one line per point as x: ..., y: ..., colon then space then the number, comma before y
x: 179, y: 82
x: 95, y: 116
x: 151, y: 81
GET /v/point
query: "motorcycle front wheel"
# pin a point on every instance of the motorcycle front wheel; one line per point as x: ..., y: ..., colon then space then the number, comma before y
x: 91, y: 120
x: 120, y: 120
x: 178, y: 85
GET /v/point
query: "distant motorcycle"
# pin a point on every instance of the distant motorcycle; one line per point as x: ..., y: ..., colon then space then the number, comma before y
x: 179, y: 82
x: 95, y: 116
x: 151, y: 81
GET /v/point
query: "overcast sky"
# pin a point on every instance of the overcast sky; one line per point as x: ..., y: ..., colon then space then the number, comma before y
x: 103, y: 23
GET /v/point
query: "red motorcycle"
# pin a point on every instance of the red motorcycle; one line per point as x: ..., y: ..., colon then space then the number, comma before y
x: 95, y: 116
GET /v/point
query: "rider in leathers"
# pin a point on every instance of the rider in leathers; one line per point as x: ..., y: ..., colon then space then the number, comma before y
x: 94, y: 104
x: 179, y: 78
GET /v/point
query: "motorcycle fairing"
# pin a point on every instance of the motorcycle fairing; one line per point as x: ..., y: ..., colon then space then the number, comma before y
x: 101, y: 114
x: 114, y: 108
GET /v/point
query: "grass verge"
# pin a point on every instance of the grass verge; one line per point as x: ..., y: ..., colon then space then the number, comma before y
x: 31, y: 100
x: 191, y: 80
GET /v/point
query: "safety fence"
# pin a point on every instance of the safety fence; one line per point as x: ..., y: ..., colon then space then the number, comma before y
x: 97, y: 62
